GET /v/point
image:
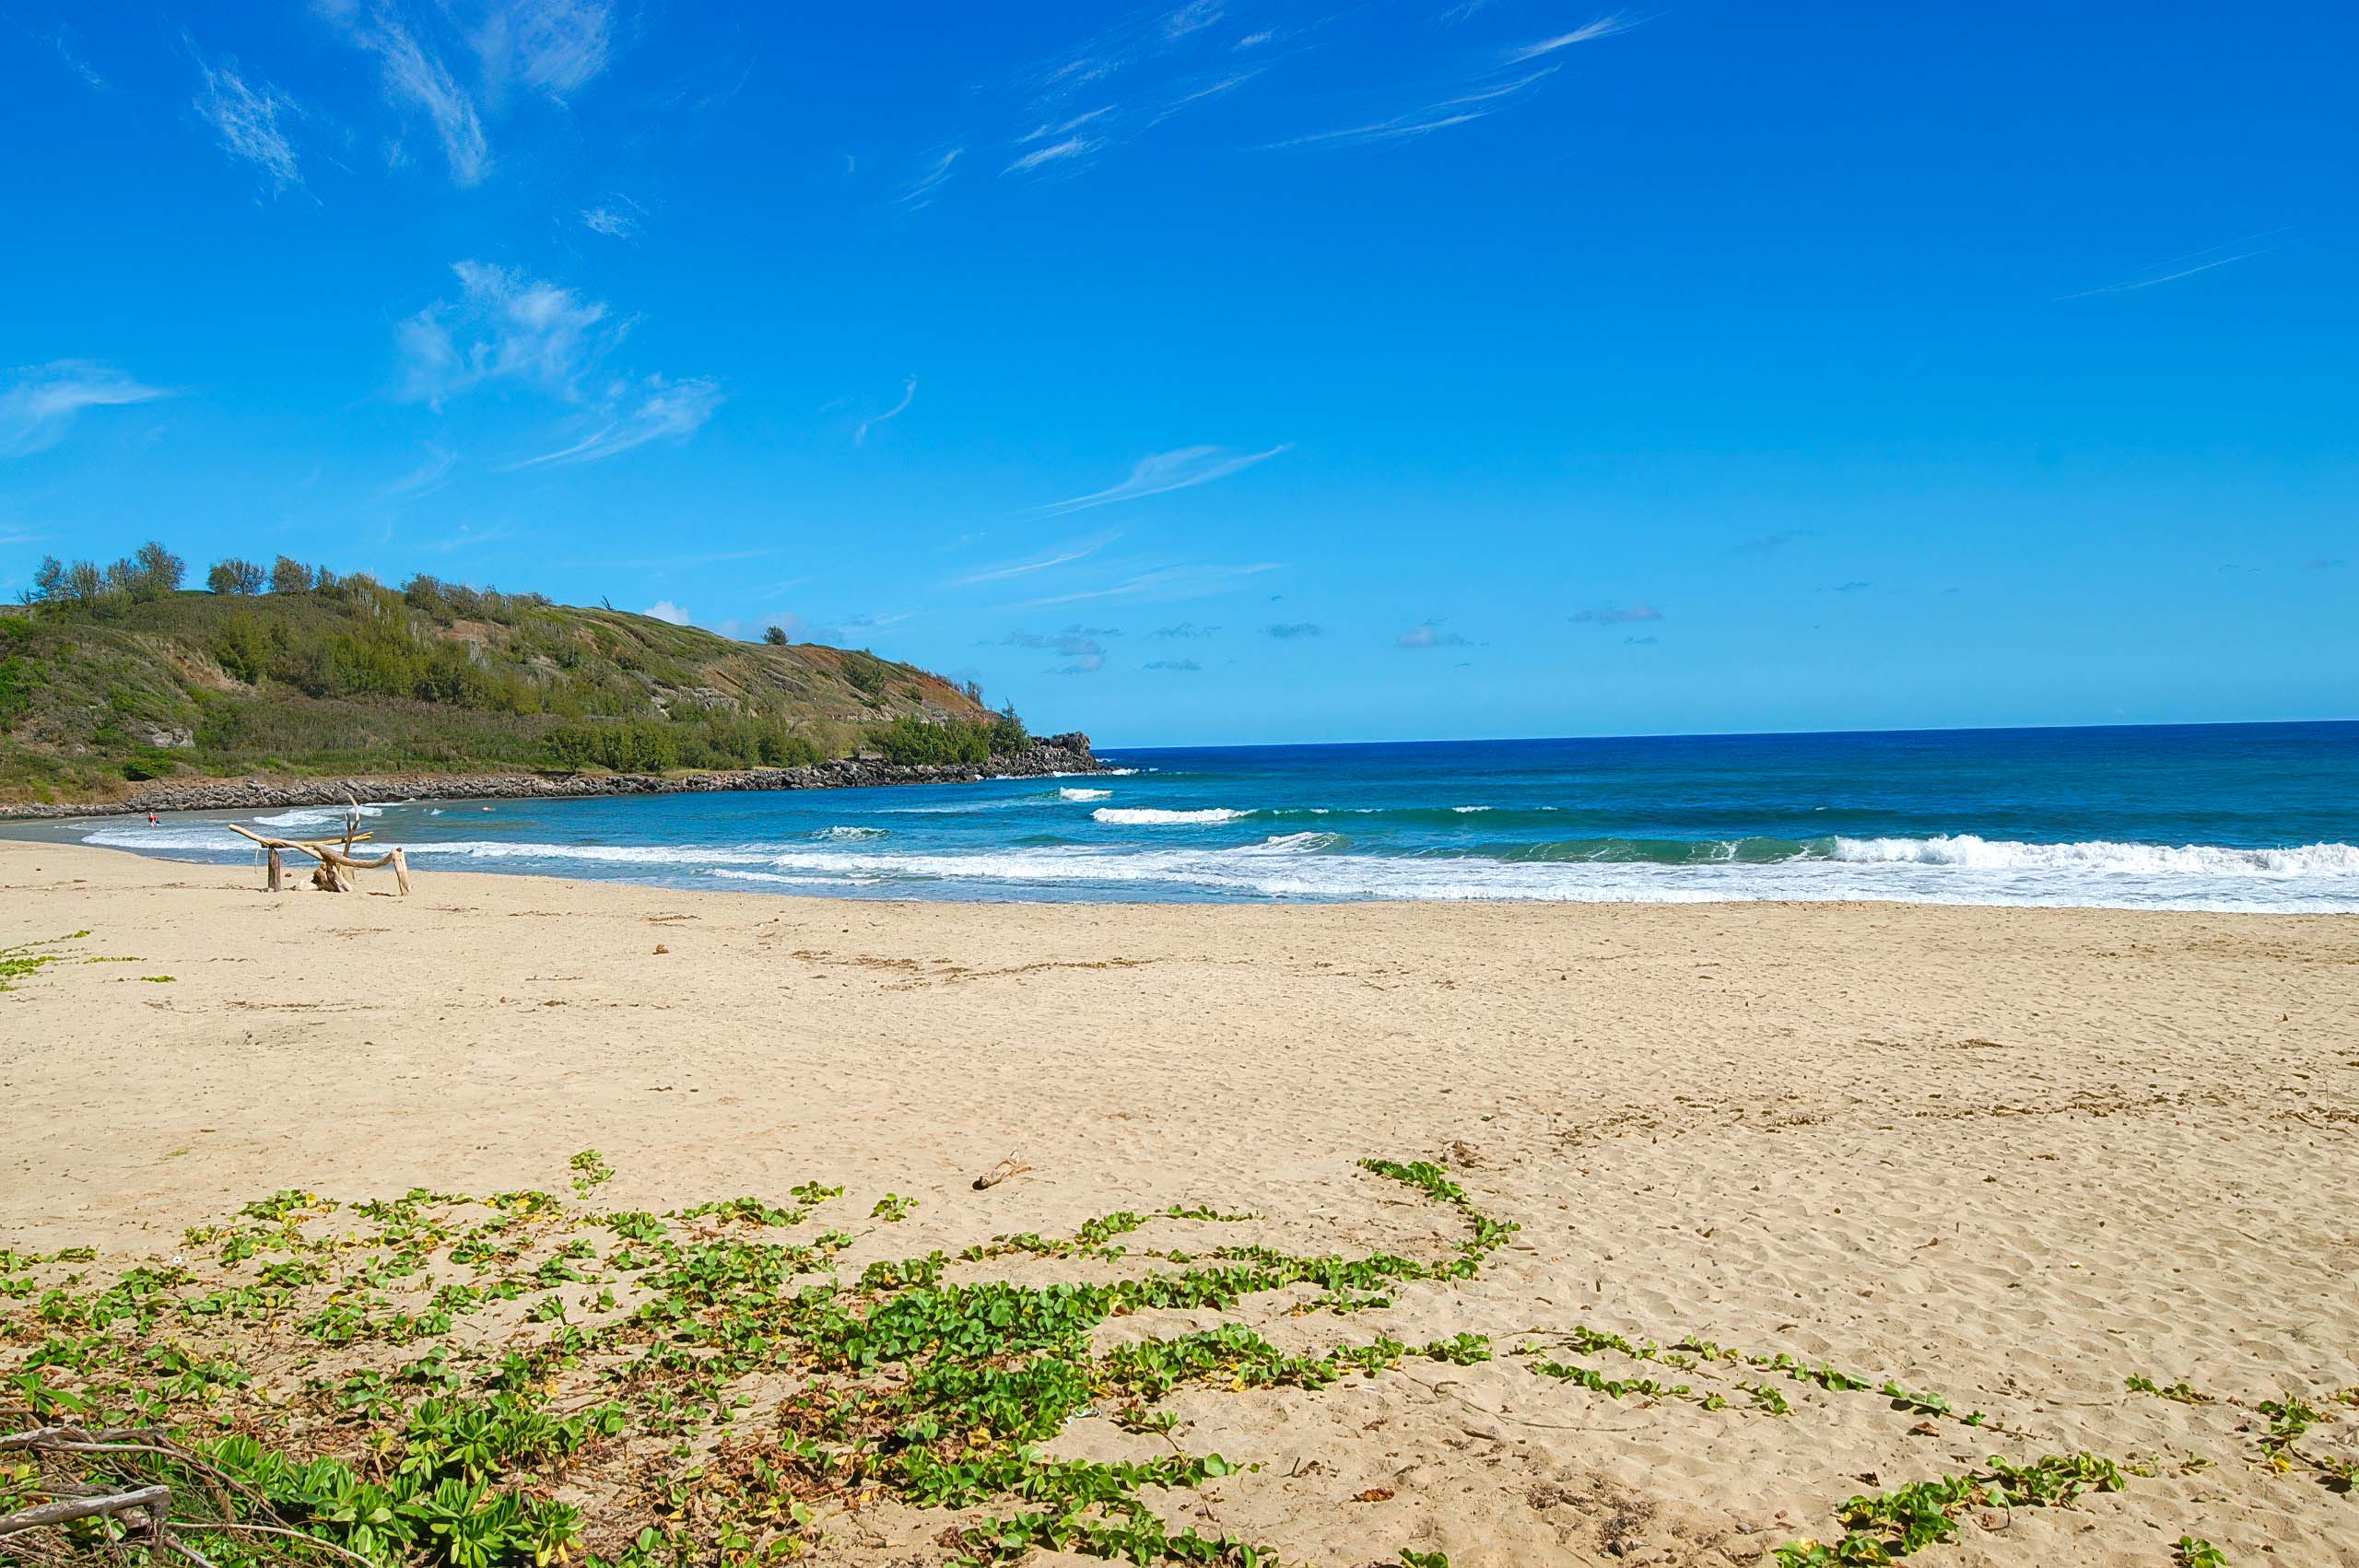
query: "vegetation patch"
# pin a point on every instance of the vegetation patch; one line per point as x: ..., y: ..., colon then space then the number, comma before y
x: 30, y: 958
x: 511, y: 1379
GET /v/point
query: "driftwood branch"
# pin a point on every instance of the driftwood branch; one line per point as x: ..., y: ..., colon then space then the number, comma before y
x: 333, y: 863
x: 152, y: 1499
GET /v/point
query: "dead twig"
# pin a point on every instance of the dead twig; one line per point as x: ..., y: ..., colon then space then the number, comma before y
x: 1000, y: 1172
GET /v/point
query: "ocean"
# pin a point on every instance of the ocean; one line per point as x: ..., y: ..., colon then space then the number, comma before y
x: 2227, y: 818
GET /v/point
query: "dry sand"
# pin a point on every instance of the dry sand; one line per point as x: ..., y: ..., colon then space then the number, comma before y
x: 2011, y: 1156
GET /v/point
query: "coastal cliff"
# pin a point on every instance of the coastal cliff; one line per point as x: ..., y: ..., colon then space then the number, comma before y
x: 130, y: 693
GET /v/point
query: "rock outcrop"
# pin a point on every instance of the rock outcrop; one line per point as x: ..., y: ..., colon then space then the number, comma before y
x: 1047, y: 756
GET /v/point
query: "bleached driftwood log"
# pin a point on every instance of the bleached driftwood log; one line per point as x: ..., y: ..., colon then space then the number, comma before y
x: 329, y: 874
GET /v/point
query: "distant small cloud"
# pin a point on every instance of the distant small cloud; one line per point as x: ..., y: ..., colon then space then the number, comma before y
x: 1641, y: 641
x: 248, y: 121
x: 797, y: 628
x: 42, y: 402
x: 664, y: 610
x: 1287, y: 631
x: 1184, y: 629
x: 617, y: 217
x: 1854, y: 586
x: 1180, y: 468
x: 2320, y: 564
x: 1177, y: 666
x: 909, y: 395
x: 1076, y: 643
x: 1614, y: 616
x: 1429, y: 635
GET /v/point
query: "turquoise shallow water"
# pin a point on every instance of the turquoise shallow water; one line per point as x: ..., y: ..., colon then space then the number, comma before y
x: 2217, y: 816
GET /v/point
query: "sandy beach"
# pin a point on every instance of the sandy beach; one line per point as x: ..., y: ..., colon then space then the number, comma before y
x: 2010, y: 1157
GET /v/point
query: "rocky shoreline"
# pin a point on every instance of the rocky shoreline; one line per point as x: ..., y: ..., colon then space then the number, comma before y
x: 1046, y: 757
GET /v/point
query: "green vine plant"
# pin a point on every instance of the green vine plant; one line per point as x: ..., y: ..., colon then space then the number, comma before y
x: 2289, y: 1421
x: 509, y: 1380
x: 30, y: 958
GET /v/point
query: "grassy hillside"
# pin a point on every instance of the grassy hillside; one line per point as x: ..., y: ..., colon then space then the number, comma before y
x: 102, y: 690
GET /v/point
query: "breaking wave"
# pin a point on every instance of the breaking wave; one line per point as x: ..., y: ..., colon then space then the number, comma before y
x: 314, y: 816
x: 1948, y: 869
x: 1149, y: 817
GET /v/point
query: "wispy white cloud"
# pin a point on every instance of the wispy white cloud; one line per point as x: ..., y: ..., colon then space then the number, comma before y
x: 1043, y: 130
x: 1603, y: 27
x: 415, y: 78
x: 655, y: 410
x: 503, y: 325
x: 1161, y: 583
x: 554, y: 47
x: 1080, y: 549
x: 1194, y: 16
x: 41, y: 402
x: 1072, y: 146
x: 429, y: 476
x: 1460, y: 110
x: 66, y: 43
x: 2186, y: 266
x: 247, y: 121
x: 909, y: 395
x: 935, y: 173
x: 664, y: 610
x: 1166, y: 471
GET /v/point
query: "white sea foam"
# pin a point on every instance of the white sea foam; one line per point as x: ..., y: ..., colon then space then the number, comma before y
x: 1149, y: 817
x: 846, y: 834
x: 314, y: 816
x: 1467, y: 810
x: 1084, y: 794
x: 1961, y: 869
x: 2102, y: 856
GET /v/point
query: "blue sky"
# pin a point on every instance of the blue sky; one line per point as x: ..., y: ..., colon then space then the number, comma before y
x: 1238, y: 371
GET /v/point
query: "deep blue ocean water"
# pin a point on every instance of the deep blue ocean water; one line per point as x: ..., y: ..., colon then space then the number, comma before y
x: 2216, y: 816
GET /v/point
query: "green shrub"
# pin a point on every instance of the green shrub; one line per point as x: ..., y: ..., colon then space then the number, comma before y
x: 911, y: 741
